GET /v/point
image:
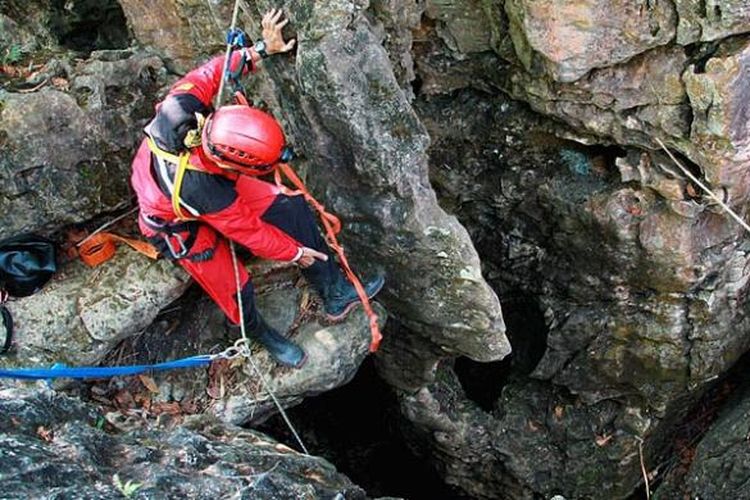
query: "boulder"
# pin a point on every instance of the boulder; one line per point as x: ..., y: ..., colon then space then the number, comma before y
x: 568, y: 38
x: 233, y: 390
x: 67, y: 146
x: 54, y: 445
x: 82, y: 313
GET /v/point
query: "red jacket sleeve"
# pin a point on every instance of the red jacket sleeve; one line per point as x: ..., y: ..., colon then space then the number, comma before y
x: 203, y: 82
x: 244, y: 225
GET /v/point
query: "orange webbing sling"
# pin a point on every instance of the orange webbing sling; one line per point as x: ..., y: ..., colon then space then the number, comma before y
x: 101, y: 247
x: 332, y: 225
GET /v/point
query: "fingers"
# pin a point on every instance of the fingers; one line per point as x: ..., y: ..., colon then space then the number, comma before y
x: 277, y: 16
x: 314, y: 253
x: 290, y: 45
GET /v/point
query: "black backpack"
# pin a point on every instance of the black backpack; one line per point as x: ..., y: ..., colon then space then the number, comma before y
x: 27, y: 262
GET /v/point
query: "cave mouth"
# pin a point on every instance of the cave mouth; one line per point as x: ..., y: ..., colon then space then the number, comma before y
x: 527, y: 332
x: 87, y: 25
x: 356, y: 428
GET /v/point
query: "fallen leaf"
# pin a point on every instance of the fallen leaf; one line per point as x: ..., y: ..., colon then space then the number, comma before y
x: 124, y: 400
x: 45, y: 434
x: 149, y: 383
x: 603, y: 439
x: 60, y: 83
x: 171, y: 408
x: 691, y: 191
x: 533, y: 426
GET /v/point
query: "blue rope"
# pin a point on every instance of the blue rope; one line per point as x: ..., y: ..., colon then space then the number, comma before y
x: 62, y: 371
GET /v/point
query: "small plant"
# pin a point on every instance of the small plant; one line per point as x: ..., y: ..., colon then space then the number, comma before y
x: 11, y: 55
x: 127, y: 489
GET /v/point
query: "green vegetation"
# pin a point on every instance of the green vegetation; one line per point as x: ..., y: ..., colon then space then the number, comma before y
x: 11, y: 55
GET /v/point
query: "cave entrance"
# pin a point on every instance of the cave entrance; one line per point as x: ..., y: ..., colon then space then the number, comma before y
x: 356, y: 428
x: 527, y: 331
x: 87, y: 25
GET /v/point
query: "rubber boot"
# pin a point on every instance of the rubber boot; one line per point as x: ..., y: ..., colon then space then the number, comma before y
x: 341, y: 297
x: 283, y: 351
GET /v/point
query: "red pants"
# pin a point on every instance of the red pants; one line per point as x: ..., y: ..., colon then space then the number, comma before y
x: 216, y: 275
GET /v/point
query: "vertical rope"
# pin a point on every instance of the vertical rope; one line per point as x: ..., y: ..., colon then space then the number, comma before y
x: 249, y: 357
x: 245, y: 350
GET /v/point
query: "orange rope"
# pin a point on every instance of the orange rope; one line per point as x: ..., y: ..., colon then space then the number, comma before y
x: 101, y: 247
x: 332, y: 226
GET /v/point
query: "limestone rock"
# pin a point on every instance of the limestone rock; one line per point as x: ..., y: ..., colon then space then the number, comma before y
x: 570, y: 38
x: 66, y: 153
x: 53, y: 445
x: 367, y: 147
x: 711, y: 20
x: 82, y: 313
x: 232, y: 391
x: 721, y: 464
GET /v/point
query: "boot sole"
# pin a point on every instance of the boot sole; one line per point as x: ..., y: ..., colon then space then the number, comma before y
x: 340, y: 316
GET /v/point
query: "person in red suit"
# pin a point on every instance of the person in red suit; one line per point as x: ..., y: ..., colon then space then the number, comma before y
x: 191, y: 217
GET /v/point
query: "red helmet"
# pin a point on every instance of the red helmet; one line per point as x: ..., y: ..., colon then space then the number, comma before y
x: 244, y: 139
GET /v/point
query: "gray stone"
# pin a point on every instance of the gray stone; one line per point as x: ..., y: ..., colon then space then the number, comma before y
x: 570, y: 38
x: 55, y: 446
x: 711, y: 20
x: 66, y: 153
x: 82, y: 313
x: 233, y: 391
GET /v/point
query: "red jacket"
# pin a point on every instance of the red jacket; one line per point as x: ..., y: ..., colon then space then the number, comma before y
x: 230, y: 203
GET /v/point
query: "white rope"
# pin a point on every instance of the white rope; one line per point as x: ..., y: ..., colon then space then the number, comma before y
x: 245, y: 350
x: 242, y: 346
x: 227, y: 54
x: 704, y: 188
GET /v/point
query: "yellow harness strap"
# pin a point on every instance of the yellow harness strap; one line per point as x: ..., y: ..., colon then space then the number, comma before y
x: 182, y: 165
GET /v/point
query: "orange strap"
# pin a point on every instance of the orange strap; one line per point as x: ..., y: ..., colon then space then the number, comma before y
x: 332, y: 225
x: 101, y: 247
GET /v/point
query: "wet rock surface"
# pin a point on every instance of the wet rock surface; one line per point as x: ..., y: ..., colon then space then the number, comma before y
x: 55, y: 446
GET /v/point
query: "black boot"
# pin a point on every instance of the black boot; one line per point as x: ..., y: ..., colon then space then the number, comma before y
x: 341, y: 297
x: 284, y: 351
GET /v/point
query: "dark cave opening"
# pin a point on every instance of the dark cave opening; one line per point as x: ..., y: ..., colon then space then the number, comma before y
x: 87, y: 25
x: 527, y: 332
x: 356, y: 427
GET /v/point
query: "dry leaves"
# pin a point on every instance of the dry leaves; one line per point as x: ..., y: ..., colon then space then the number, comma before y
x: 603, y: 439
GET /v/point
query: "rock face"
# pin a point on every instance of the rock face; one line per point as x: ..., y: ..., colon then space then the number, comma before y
x: 570, y: 38
x: 82, y: 313
x: 639, y: 282
x: 67, y: 146
x: 53, y: 446
x: 720, y: 466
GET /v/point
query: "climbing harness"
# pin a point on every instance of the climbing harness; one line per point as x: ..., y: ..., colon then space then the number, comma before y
x: 182, y: 164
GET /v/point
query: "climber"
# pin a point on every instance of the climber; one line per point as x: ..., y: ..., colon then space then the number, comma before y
x: 219, y: 196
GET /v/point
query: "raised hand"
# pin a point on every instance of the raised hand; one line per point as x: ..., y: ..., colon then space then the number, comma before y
x: 272, y: 26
